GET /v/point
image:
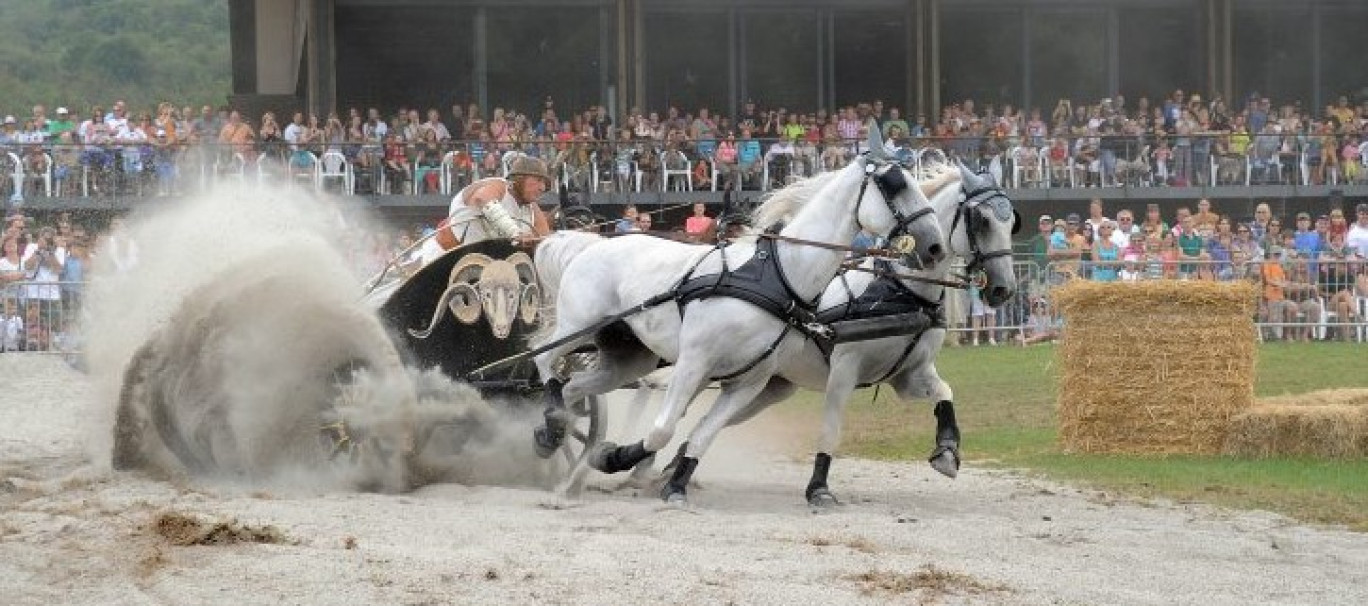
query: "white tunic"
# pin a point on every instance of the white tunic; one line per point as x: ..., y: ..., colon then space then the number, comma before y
x: 469, y: 223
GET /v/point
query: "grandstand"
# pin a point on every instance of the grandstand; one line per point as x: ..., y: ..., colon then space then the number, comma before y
x: 928, y: 58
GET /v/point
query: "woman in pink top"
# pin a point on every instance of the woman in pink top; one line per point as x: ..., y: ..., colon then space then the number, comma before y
x: 699, y: 226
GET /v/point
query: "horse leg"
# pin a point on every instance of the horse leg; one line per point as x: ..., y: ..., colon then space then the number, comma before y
x: 689, y: 378
x: 921, y: 380
x: 619, y: 361
x: 735, y: 397
x: 548, y: 438
x: 840, y: 386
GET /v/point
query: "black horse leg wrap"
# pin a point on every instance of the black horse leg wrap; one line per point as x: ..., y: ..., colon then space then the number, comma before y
x: 626, y: 457
x: 679, y: 481
x: 821, y: 465
x: 946, y: 427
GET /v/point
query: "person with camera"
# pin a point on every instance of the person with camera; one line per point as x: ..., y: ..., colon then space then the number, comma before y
x: 42, y: 270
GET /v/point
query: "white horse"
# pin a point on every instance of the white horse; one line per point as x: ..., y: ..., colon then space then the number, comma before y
x: 715, y: 337
x: 980, y: 221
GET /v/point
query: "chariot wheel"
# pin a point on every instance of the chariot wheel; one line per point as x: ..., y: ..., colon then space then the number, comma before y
x: 588, y: 423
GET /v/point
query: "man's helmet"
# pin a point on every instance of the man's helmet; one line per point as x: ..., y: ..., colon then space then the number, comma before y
x: 528, y: 166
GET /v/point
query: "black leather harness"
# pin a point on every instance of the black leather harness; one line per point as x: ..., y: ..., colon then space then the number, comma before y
x: 761, y: 282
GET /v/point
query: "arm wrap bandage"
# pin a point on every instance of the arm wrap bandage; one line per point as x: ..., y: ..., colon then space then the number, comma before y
x: 501, y: 223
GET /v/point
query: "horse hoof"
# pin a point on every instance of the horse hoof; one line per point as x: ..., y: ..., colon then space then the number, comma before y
x: 946, y: 462
x: 676, y: 500
x: 545, y: 443
x: 598, y: 456
x: 822, y: 499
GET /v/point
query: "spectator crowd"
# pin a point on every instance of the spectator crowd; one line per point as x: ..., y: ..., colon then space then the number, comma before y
x: 1174, y: 140
x: 1311, y: 268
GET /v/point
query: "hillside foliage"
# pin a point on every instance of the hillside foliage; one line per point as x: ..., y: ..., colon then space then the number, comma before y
x: 79, y: 53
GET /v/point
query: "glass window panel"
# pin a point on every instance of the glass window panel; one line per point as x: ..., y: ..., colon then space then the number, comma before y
x: 1068, y: 56
x: 1162, y: 49
x: 981, y: 56
x: 385, y: 62
x: 545, y: 51
x: 870, y: 59
x: 1272, y: 52
x: 781, y: 59
x: 686, y: 60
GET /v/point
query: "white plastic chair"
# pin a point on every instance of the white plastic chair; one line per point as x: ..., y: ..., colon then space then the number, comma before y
x: 234, y: 168
x: 667, y: 173
x: 16, y: 176
x: 334, y: 165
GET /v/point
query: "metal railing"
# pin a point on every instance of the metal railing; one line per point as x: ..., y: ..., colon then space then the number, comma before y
x: 41, y: 316
x: 412, y: 168
x: 1312, y: 299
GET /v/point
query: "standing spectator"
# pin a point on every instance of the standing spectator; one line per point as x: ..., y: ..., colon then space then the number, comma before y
x: 1105, y: 253
x: 1039, y: 244
x: 1337, y: 269
x: 1339, y: 226
x: 61, y: 124
x: 1205, y: 217
x: 1125, y: 228
x: 1154, y: 225
x: 1190, y: 245
x: 1308, y: 241
x: 1357, y: 236
x: 239, y: 136
x: 1262, y: 215
x: 699, y: 227
x: 1095, y: 215
x: 628, y: 222
x: 44, y: 268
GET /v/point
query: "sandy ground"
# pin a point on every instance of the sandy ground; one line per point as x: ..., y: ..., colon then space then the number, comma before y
x: 70, y: 533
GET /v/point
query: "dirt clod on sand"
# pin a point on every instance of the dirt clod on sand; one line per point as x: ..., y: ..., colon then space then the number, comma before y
x: 929, y: 582
x: 184, y: 530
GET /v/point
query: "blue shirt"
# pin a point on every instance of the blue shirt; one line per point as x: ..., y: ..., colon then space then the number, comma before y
x: 748, y: 151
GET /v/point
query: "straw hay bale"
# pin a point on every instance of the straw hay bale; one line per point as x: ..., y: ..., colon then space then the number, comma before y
x: 1154, y: 367
x: 1329, y: 424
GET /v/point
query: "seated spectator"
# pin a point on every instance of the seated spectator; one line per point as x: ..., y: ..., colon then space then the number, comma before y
x: 725, y: 159
x: 396, y: 163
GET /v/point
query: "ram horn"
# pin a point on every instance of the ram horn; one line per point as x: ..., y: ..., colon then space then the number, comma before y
x: 464, y: 276
x: 529, y: 302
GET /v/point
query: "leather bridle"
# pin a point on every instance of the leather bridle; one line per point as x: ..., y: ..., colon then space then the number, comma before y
x: 967, y: 208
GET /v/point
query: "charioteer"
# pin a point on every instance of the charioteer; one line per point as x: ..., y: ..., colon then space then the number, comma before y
x: 496, y: 208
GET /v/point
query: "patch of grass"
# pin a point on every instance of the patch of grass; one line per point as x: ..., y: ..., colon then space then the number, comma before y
x: 1005, y: 402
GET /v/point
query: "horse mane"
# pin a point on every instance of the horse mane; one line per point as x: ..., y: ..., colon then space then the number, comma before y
x: 782, y: 204
x: 933, y: 174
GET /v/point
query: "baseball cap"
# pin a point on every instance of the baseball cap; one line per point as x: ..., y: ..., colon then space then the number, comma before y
x: 62, y: 110
x: 1304, y: 215
x: 1073, y: 218
x: 1363, y: 208
x: 1046, y: 219
x: 9, y: 120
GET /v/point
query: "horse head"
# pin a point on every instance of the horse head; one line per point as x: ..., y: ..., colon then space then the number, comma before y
x: 984, y: 225
x: 501, y: 290
x: 902, y: 212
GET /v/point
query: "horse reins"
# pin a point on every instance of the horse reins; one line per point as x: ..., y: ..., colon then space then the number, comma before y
x: 963, y: 284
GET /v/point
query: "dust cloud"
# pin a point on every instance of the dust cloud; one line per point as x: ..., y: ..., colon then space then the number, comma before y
x: 237, y: 349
